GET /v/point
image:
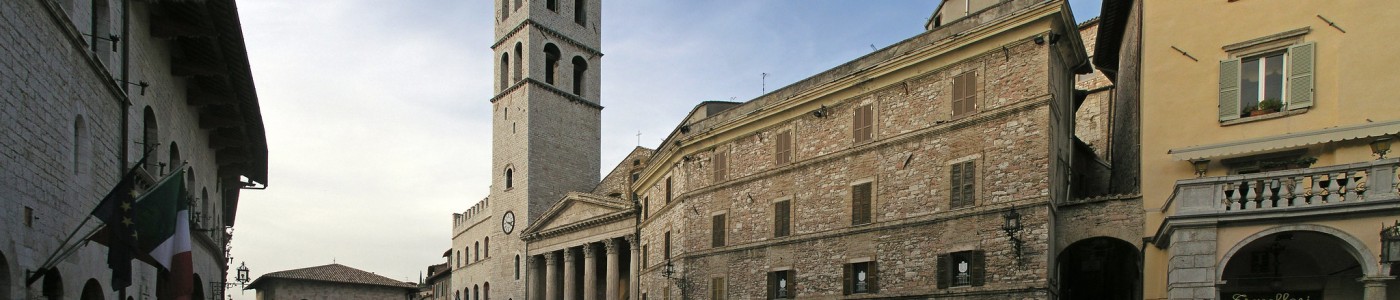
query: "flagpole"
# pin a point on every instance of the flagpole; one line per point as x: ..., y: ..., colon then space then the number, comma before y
x: 64, y: 249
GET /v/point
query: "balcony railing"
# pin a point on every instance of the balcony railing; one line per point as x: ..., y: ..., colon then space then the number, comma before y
x: 1288, y: 189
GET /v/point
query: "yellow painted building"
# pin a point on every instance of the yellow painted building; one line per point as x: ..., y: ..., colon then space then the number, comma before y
x: 1257, y: 123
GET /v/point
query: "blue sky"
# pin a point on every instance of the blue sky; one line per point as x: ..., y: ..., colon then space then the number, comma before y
x: 377, y: 116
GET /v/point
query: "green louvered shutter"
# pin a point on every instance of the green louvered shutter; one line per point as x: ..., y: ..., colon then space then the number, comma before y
x: 1300, y: 75
x: 1229, y: 89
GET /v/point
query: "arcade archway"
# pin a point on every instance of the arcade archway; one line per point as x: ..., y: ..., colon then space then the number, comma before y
x: 1099, y: 268
x: 1298, y: 263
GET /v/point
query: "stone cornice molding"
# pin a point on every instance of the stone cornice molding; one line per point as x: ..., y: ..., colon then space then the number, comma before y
x: 549, y: 32
x: 547, y: 87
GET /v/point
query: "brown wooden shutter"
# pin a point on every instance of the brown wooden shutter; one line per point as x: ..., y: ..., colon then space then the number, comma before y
x: 772, y: 285
x: 979, y: 267
x: 784, y: 151
x: 782, y: 218
x: 668, y: 190
x: 955, y: 186
x: 942, y: 270
x: 717, y: 240
x: 668, y: 245
x: 873, y: 279
x: 969, y: 182
x: 869, y: 122
x: 721, y: 165
x: 860, y: 204
x: 1229, y: 90
x: 846, y: 279
x: 1300, y: 75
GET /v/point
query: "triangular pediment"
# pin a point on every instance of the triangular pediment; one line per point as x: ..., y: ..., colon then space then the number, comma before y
x: 578, y: 208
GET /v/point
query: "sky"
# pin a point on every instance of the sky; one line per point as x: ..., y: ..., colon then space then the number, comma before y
x: 377, y: 112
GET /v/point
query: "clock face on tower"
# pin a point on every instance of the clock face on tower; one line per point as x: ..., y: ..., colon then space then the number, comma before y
x: 508, y: 222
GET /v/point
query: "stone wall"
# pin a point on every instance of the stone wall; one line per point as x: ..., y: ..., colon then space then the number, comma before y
x: 301, y: 289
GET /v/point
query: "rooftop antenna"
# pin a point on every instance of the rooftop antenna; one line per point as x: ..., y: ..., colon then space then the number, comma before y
x: 872, y: 47
x: 765, y: 84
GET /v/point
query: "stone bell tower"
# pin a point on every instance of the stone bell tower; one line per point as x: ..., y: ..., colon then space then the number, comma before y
x: 545, y: 120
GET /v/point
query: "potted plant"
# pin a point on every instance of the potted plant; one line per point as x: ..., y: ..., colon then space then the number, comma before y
x: 1267, y: 106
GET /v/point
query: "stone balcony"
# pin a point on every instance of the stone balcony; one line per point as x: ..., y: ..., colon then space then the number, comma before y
x: 1281, y: 196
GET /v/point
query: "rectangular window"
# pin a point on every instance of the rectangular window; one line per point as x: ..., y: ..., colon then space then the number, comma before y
x: 717, y: 230
x: 717, y: 291
x: 29, y: 217
x: 861, y: 195
x: 782, y: 218
x: 780, y: 285
x: 964, y: 93
x: 668, y: 246
x: 860, y: 278
x: 965, y: 268
x: 863, y: 126
x: 962, y: 184
x: 646, y: 207
x: 668, y: 190
x: 1267, y: 82
x: 644, y: 256
x: 721, y: 165
x: 784, y: 148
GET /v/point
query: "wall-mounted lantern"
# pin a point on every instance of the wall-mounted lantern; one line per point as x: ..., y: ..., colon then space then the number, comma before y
x: 1390, y: 243
x: 1381, y: 146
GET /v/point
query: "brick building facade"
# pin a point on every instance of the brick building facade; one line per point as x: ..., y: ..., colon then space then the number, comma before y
x: 88, y: 87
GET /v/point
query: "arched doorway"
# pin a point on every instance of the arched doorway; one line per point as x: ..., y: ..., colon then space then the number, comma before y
x: 198, y: 288
x: 1302, y: 264
x: 53, y: 284
x: 1099, y: 268
x: 4, y: 277
x: 92, y: 290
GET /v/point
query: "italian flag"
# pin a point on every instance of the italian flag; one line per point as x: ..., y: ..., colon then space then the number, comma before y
x: 162, y: 230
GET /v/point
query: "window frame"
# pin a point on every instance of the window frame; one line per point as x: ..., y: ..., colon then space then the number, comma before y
x: 789, y: 278
x: 719, y: 229
x: 782, y: 220
x: 947, y: 270
x: 783, y: 147
x: 964, y: 96
x: 720, y: 162
x: 863, y: 123
x: 1297, y: 89
x: 850, y: 277
x: 869, y: 212
x: 963, y: 194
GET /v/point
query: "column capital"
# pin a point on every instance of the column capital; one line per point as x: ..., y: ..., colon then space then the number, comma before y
x: 632, y: 241
x: 587, y: 250
x: 549, y: 259
x: 568, y: 255
x: 611, y: 245
x: 1375, y: 279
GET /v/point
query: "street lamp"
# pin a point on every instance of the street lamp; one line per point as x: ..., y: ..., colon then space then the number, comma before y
x: 670, y: 270
x: 242, y: 273
x: 1381, y: 146
x: 1011, y: 226
x: 1390, y: 243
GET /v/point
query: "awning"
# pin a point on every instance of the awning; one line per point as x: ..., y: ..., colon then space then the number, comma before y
x: 1291, y: 140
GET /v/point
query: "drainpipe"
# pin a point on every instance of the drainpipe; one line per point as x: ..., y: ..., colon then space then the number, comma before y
x: 126, y: 101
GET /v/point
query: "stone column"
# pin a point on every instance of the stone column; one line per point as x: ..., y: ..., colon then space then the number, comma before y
x: 1374, y: 287
x: 612, y: 268
x: 634, y: 289
x: 536, y: 279
x: 551, y: 276
x: 590, y: 280
x: 570, y: 287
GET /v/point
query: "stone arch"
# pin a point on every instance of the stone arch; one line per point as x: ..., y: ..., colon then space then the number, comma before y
x: 505, y: 71
x: 1099, y: 267
x: 175, y: 159
x: 101, y: 30
x: 4, y: 277
x: 519, y: 61
x: 551, y: 62
x: 198, y: 291
x: 53, y: 284
x: 92, y: 290
x: 486, y: 291
x: 580, y: 69
x: 150, y: 138
x: 1354, y: 246
x: 510, y: 177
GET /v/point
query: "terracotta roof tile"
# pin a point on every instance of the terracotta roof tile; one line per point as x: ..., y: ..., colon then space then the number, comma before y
x: 333, y: 273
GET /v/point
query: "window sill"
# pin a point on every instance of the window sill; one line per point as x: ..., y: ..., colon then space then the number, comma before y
x: 1271, y: 116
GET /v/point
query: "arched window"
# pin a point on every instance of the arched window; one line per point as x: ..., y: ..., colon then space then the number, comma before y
x: 101, y: 30
x: 150, y: 135
x: 510, y: 178
x: 476, y: 251
x: 517, y: 267
x: 505, y: 10
x: 505, y: 71
x: 580, y: 69
x: 458, y: 295
x: 486, y: 242
x: 580, y: 12
x: 476, y: 292
x: 208, y: 206
x: 53, y: 284
x: 486, y: 291
x: 519, y: 59
x: 81, y: 146
x: 175, y: 161
x: 551, y: 62
x: 92, y: 290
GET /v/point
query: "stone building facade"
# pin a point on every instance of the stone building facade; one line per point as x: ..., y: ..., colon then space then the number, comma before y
x: 331, y: 282
x: 81, y: 108
x: 1248, y: 197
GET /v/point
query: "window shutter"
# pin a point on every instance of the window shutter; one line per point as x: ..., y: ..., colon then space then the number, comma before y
x: 955, y: 186
x: 1229, y: 89
x: 846, y: 279
x: 942, y: 271
x: 969, y: 182
x: 858, y: 119
x: 773, y: 285
x: 979, y: 267
x: 1300, y: 75
x: 721, y: 165
x: 717, y: 240
x: 860, y: 204
x: 874, y: 280
x: 791, y: 284
x: 969, y: 91
x: 782, y: 220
